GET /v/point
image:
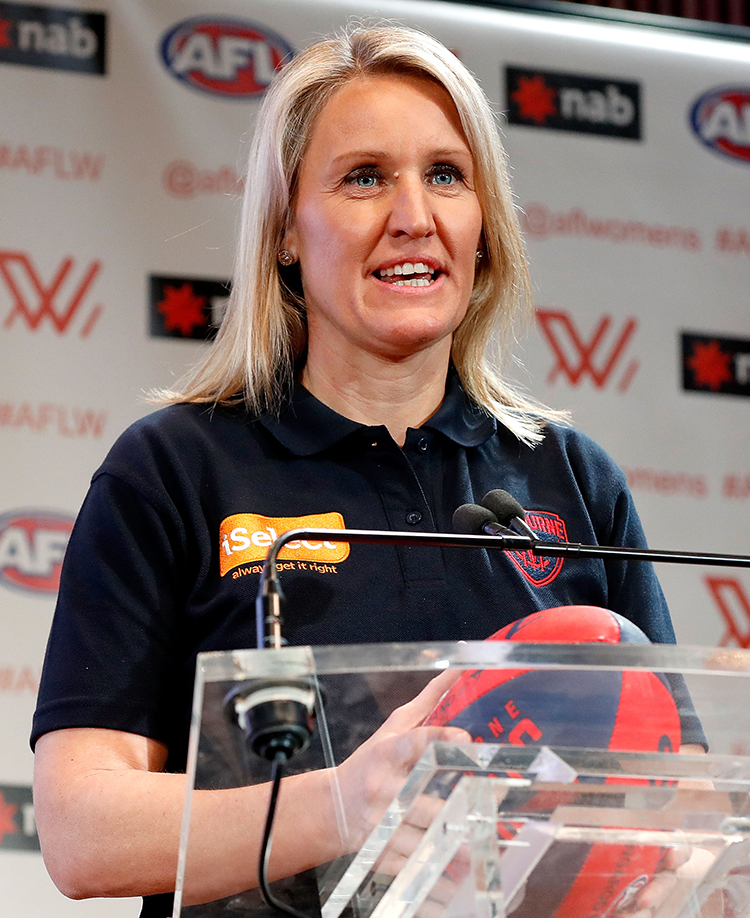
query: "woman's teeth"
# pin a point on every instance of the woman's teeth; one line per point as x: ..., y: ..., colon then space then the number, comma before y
x: 406, y: 270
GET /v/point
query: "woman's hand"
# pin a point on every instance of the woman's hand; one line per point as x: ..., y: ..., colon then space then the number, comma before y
x: 374, y: 774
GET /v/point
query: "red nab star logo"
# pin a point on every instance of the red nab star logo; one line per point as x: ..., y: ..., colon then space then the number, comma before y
x: 710, y: 365
x: 182, y: 309
x: 7, y: 821
x: 535, y: 100
x: 5, y: 40
x: 536, y: 569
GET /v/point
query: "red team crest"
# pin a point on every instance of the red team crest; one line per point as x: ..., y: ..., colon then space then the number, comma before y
x: 536, y: 569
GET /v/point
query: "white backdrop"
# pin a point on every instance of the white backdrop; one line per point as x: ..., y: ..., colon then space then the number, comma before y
x: 118, y: 212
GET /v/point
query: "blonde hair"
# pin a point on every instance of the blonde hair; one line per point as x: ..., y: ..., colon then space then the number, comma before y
x: 264, y: 330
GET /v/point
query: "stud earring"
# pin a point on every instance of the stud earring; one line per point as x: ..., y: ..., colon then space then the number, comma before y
x: 479, y: 255
x: 286, y: 258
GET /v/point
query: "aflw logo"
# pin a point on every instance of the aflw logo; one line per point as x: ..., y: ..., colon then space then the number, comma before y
x: 599, y: 357
x: 60, y: 301
x: 734, y: 607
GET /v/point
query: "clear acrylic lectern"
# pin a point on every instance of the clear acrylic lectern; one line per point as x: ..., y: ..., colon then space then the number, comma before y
x: 500, y: 830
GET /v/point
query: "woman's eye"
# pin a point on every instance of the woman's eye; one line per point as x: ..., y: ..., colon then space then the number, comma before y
x: 445, y: 175
x: 363, y: 178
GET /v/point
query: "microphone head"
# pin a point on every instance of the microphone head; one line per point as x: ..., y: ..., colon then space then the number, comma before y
x: 503, y: 505
x: 469, y: 519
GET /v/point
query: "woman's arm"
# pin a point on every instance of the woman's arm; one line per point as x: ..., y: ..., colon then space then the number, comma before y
x: 109, y: 818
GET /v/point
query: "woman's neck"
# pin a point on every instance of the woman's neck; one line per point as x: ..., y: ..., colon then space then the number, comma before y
x: 397, y: 394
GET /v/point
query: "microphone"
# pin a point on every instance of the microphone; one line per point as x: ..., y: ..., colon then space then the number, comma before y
x: 470, y: 518
x: 508, y: 511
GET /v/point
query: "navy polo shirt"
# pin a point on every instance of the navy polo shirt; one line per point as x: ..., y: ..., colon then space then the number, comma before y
x: 165, y: 556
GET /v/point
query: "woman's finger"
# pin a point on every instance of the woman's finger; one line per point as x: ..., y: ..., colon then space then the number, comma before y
x: 414, y: 712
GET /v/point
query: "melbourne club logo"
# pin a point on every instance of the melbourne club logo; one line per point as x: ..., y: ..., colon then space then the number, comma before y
x: 720, y: 119
x: 598, y: 357
x: 573, y: 102
x: 717, y: 365
x: 537, y: 569
x: 32, y: 546
x: 62, y: 301
x: 187, y: 307
x: 233, y: 58
x: 17, y: 823
x: 53, y: 37
x: 733, y: 604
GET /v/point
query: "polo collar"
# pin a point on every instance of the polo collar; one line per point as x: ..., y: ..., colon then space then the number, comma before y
x: 306, y: 426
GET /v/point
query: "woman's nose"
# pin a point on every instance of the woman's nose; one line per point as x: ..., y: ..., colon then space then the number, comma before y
x: 411, y: 209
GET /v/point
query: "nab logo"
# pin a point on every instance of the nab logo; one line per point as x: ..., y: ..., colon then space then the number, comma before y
x: 53, y: 37
x: 734, y: 607
x: 185, y: 307
x: 571, y: 102
x: 59, y: 301
x: 599, y: 358
x: 32, y: 545
x: 17, y: 823
x: 721, y: 121
x: 717, y: 365
x: 233, y: 58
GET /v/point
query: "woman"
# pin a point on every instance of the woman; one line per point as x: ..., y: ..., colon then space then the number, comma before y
x: 349, y: 383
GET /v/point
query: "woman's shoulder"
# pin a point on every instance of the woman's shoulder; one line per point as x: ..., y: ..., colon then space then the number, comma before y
x: 178, y: 440
x: 579, y: 447
x: 174, y: 425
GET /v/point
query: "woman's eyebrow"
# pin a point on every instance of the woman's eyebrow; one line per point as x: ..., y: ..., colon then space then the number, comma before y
x: 383, y: 154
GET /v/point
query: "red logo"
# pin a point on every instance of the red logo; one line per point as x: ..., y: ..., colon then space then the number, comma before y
x: 59, y: 301
x: 597, y: 358
x: 710, y: 365
x: 734, y: 607
x: 47, y: 416
x: 187, y: 307
x: 17, y: 822
x: 715, y: 364
x: 537, y: 569
x: 43, y: 160
x: 7, y: 819
x: 720, y: 120
x: 535, y: 100
x: 233, y: 58
x: 32, y: 546
x: 184, y: 179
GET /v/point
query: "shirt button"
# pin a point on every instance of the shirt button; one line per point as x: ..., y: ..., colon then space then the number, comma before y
x: 413, y: 517
x: 423, y: 445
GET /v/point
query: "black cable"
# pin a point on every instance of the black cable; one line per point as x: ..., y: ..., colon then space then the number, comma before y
x: 277, y: 773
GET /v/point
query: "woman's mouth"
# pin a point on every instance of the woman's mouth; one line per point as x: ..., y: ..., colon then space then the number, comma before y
x: 408, y: 274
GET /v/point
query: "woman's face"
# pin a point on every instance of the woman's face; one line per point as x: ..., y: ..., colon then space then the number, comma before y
x: 386, y: 222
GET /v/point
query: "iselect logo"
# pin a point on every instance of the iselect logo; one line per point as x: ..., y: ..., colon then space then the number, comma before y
x: 246, y: 537
x: 573, y: 102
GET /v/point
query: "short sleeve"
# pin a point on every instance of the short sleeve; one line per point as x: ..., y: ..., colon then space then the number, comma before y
x: 112, y: 657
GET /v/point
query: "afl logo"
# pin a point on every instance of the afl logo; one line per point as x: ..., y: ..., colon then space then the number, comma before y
x: 32, y: 545
x: 234, y: 58
x: 721, y: 120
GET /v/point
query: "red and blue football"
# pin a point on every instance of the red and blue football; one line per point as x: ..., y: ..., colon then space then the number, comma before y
x: 593, y: 709
x: 621, y: 710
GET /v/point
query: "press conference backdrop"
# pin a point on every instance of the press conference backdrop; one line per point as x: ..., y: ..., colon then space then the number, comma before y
x: 124, y: 130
